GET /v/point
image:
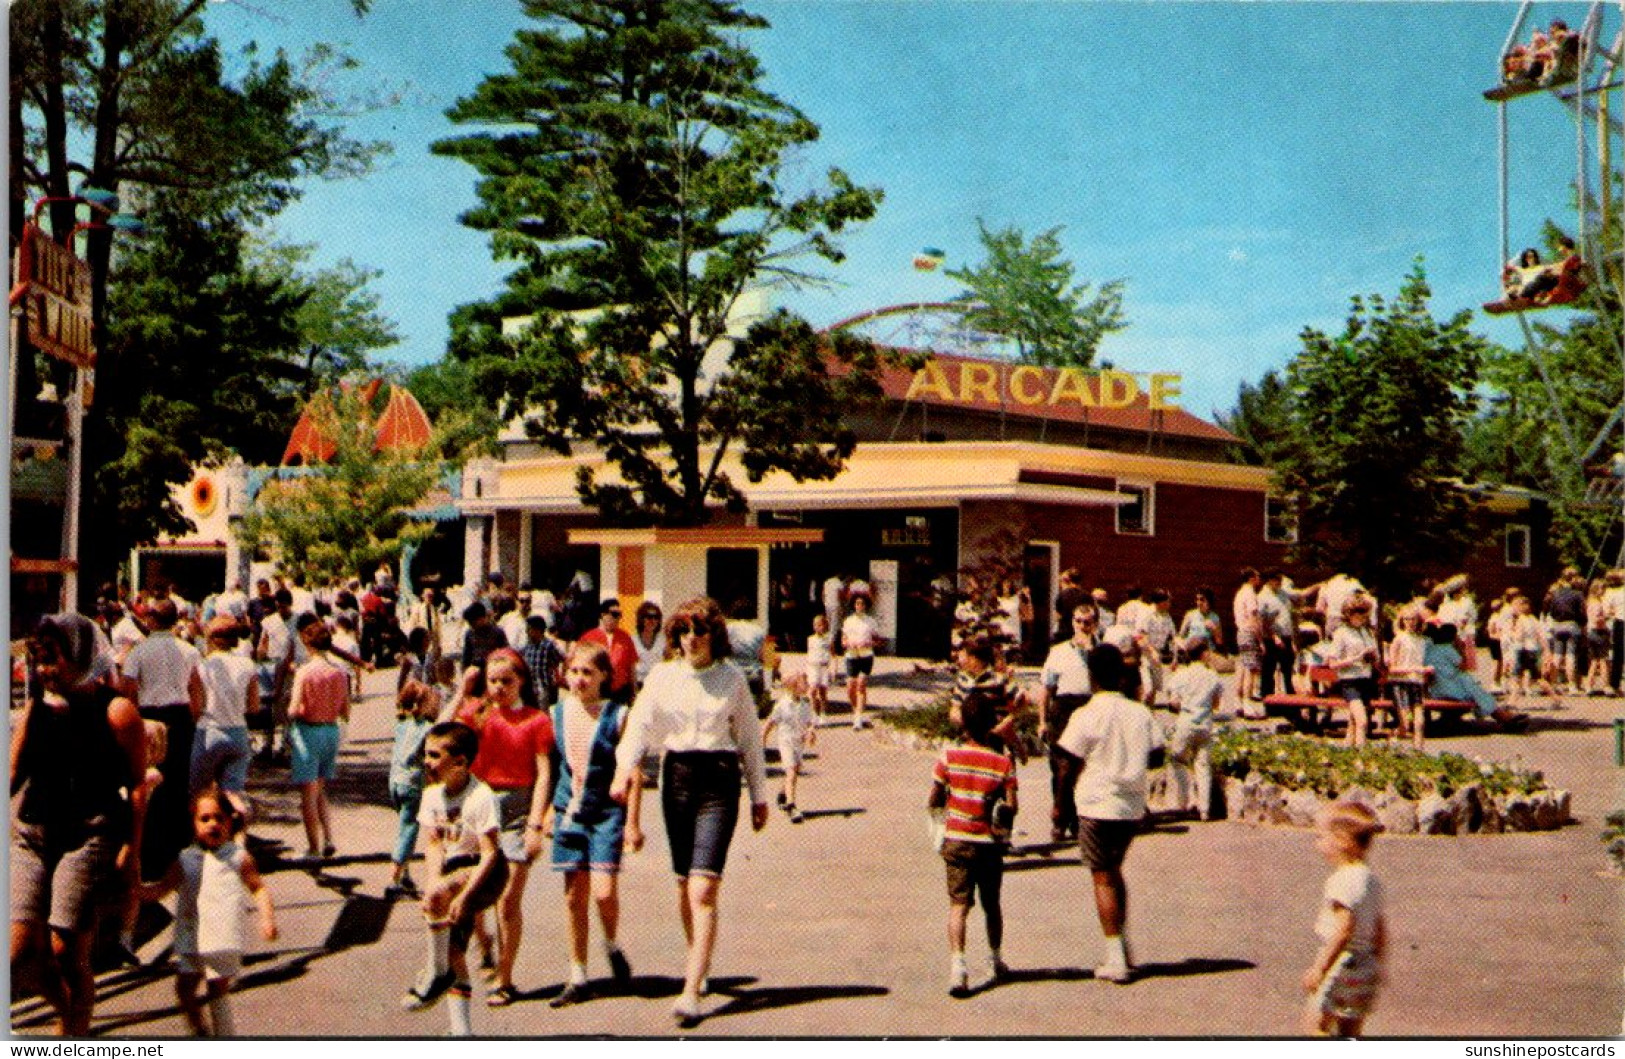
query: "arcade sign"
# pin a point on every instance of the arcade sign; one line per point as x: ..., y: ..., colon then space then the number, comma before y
x: 970, y: 382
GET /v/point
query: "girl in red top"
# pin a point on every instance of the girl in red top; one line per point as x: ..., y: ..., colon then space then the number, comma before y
x: 515, y: 761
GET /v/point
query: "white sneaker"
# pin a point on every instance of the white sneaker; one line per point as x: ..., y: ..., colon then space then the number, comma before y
x: 1120, y: 973
x: 959, y: 983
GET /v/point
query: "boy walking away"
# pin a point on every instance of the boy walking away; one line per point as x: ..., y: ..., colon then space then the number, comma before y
x: 792, y: 721
x: 1342, y: 982
x: 977, y: 786
x: 1117, y: 741
x: 466, y: 869
x: 1197, y: 689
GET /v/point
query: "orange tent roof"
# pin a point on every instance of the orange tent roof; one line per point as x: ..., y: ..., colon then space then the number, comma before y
x: 403, y: 425
x: 307, y: 444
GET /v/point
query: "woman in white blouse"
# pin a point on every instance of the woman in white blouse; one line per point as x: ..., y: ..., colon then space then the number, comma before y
x: 697, y: 710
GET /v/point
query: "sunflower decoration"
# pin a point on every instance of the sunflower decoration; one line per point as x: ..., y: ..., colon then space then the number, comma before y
x: 204, y: 496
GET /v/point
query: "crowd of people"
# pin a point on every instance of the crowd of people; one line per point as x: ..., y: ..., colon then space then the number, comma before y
x: 523, y: 725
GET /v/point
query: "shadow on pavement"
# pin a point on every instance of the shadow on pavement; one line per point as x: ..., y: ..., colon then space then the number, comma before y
x: 1190, y: 965
x: 1029, y: 975
x: 742, y: 1001
x: 814, y: 814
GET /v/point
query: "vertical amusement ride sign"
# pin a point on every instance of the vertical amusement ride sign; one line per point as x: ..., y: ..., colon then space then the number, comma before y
x: 56, y: 299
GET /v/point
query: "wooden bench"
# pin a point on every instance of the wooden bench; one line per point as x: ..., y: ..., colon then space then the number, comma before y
x: 1304, y: 711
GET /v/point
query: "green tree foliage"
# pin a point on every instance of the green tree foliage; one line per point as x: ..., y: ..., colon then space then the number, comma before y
x: 634, y: 167
x: 1023, y: 290
x: 1261, y: 419
x: 133, y: 96
x: 1549, y: 423
x: 1373, y: 453
x: 338, y: 318
x: 226, y: 348
x: 330, y: 521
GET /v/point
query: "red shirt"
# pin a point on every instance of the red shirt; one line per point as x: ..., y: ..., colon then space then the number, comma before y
x: 972, y: 774
x: 623, y: 657
x: 510, y: 743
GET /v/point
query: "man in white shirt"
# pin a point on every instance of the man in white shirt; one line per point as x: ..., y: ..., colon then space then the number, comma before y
x: 1275, y: 628
x: 276, y: 654
x: 1066, y: 687
x: 127, y: 632
x: 161, y: 675
x: 1116, y: 739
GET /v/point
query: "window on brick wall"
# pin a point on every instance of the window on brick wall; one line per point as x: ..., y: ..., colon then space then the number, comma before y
x: 1280, y: 520
x: 1517, y: 546
x: 1138, y: 516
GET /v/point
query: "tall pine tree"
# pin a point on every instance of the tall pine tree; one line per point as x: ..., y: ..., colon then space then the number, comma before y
x: 633, y: 165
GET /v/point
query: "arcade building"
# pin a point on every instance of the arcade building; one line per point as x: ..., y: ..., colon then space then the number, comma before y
x: 967, y: 465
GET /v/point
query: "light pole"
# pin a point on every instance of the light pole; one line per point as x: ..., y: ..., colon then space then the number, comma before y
x: 50, y: 304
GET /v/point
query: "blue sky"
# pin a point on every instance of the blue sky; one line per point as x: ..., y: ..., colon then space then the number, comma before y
x: 1247, y: 167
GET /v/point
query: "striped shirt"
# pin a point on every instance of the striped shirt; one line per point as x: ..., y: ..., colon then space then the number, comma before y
x: 973, y: 776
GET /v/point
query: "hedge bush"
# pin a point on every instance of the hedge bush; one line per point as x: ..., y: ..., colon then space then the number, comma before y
x: 1297, y: 762
x: 930, y: 721
x: 1613, y: 839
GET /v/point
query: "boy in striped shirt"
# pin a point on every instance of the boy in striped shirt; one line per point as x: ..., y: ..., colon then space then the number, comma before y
x: 976, y: 785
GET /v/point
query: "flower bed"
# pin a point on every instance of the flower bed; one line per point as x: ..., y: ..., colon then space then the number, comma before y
x: 1285, y: 779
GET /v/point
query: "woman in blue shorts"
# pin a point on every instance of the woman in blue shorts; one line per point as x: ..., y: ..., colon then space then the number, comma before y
x: 697, y: 709
x: 589, y: 828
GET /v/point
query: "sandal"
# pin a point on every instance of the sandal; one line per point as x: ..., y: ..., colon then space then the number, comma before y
x: 501, y: 996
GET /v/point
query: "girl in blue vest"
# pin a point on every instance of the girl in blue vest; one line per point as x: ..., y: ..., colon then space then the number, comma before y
x: 590, y: 829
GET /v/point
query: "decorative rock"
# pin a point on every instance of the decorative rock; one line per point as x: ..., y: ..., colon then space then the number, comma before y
x: 1398, y: 815
x: 1302, y: 807
x: 1464, y: 809
x: 1493, y: 823
x: 1364, y: 795
x: 1519, y: 813
x: 1434, y: 816
x: 1551, y: 809
x: 1272, y: 804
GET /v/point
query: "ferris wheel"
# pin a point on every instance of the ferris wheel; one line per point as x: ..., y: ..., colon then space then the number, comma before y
x: 938, y: 327
x: 1583, y: 73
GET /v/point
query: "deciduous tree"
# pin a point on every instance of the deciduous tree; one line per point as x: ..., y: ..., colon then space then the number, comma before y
x: 1024, y: 291
x: 1373, y: 455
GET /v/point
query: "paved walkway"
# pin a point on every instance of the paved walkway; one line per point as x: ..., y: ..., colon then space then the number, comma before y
x: 836, y: 927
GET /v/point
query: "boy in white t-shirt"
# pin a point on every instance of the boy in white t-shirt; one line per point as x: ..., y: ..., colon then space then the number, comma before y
x: 792, y: 722
x: 459, y: 816
x: 1342, y: 983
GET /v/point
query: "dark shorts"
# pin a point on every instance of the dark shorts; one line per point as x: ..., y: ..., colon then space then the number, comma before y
x: 1105, y: 842
x: 59, y: 884
x: 478, y: 901
x: 699, y: 797
x: 860, y: 666
x: 973, y: 867
x: 1527, y: 662
x: 594, y: 846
